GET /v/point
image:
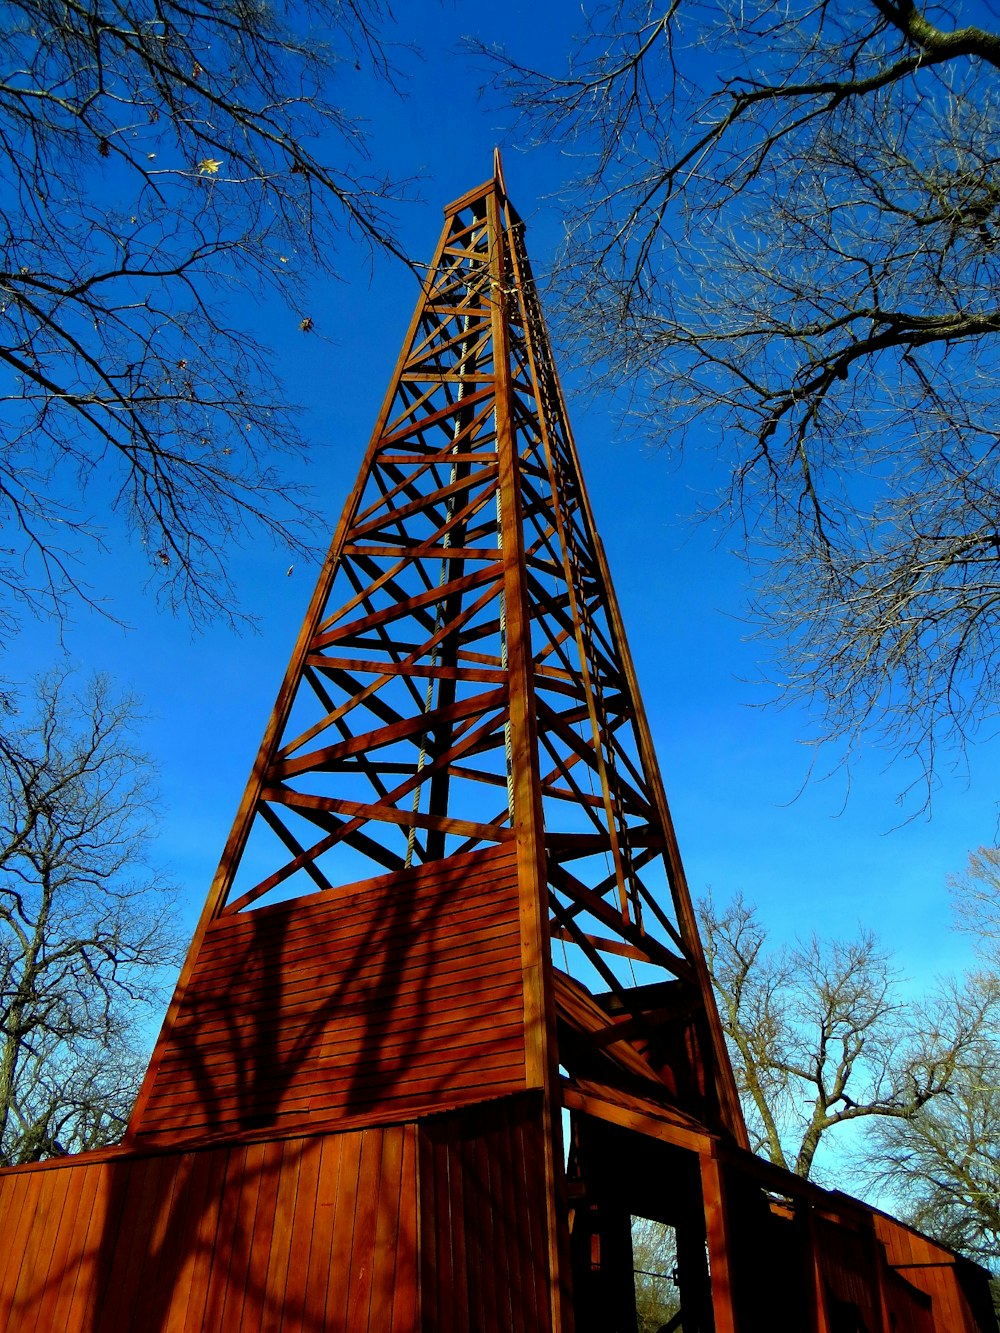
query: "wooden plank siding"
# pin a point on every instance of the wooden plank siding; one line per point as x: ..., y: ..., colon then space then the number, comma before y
x: 847, y: 1262
x: 482, y: 1219
x: 956, y: 1289
x: 313, y: 1235
x: 398, y: 995
x: 910, y: 1310
x: 433, y: 1225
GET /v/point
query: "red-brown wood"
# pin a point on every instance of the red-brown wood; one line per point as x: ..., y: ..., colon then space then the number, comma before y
x: 300, y: 1234
x: 950, y: 1282
x: 392, y: 993
x: 718, y: 1236
x: 482, y: 1223
x: 848, y: 1271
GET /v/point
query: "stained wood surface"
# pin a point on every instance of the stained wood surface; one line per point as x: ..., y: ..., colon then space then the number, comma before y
x: 462, y: 679
x: 957, y: 1290
x: 910, y: 1310
x: 404, y: 992
x: 847, y: 1263
x: 299, y: 1236
x: 482, y: 1220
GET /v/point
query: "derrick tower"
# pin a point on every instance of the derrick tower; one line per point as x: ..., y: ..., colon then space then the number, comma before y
x: 445, y: 1027
x: 458, y: 740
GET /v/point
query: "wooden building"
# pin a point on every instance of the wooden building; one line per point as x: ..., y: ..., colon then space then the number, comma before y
x: 450, y: 919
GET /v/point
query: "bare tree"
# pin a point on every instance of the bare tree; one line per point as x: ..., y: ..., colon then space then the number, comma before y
x: 820, y: 1035
x: 654, y: 1261
x: 942, y: 1164
x: 784, y: 233
x: 86, y: 934
x: 161, y: 166
x: 976, y: 898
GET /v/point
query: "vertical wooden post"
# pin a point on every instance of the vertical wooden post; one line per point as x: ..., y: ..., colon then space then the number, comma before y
x: 821, y: 1322
x: 717, y: 1067
x: 717, y: 1236
x: 541, y: 1055
x: 879, y: 1265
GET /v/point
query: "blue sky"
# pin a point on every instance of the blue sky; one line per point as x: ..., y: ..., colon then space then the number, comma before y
x: 732, y: 770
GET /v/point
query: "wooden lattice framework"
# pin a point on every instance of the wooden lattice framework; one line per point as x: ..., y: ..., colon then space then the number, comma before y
x: 450, y: 914
x: 462, y: 682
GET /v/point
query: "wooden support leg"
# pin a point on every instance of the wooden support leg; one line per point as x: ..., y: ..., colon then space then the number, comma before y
x: 821, y: 1320
x: 717, y: 1235
x: 878, y: 1254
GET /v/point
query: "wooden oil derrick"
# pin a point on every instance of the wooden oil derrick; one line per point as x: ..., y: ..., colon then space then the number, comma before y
x: 451, y: 917
x: 462, y: 695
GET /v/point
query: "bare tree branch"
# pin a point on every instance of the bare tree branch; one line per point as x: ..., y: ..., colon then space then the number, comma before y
x: 784, y: 237
x: 162, y: 165
x: 86, y: 934
x: 820, y: 1035
x: 942, y: 1163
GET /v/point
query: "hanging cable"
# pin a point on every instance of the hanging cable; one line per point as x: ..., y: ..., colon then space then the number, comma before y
x: 507, y: 747
x: 450, y: 504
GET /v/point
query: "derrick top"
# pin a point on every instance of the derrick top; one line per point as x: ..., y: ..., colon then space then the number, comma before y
x: 495, y: 184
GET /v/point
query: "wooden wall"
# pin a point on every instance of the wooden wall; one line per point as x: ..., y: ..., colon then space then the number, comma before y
x: 909, y: 1309
x: 297, y: 1236
x: 848, y: 1263
x: 484, y: 1262
x: 958, y: 1292
x: 300, y: 1235
x: 436, y: 1225
x: 382, y: 999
